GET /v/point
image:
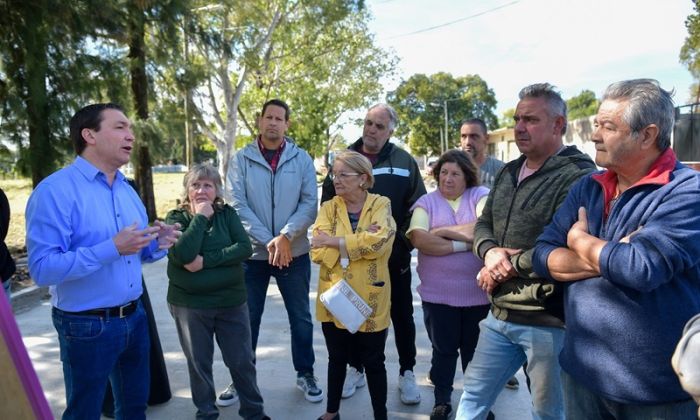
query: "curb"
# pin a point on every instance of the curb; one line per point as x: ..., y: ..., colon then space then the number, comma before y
x: 28, y: 298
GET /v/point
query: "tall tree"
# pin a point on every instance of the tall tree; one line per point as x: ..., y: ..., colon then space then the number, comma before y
x: 233, y: 42
x: 59, y: 56
x: 582, y: 105
x: 138, y: 13
x: 255, y: 42
x: 136, y: 35
x: 28, y: 31
x: 334, y: 67
x: 690, y: 51
x: 420, y: 102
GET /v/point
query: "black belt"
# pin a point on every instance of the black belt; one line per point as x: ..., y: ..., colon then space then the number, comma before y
x: 115, y: 311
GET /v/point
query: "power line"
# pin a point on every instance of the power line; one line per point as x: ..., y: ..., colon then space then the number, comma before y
x: 442, y: 25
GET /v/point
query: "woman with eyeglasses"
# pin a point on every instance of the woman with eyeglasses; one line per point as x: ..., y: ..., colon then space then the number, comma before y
x: 442, y: 229
x: 358, y: 226
x: 207, y: 294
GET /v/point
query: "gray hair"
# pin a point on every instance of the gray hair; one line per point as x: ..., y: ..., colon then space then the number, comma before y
x: 358, y: 163
x: 198, y: 172
x: 557, y: 106
x: 393, y: 116
x: 648, y: 104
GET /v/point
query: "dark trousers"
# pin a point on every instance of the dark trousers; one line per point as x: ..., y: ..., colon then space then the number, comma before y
x: 369, y: 348
x: 196, y: 329
x: 401, y: 313
x: 453, y: 332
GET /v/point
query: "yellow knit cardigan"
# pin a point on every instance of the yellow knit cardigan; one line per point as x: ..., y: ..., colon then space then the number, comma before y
x: 368, y: 253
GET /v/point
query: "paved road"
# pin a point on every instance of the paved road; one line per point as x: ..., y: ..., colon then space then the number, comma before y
x: 276, y: 376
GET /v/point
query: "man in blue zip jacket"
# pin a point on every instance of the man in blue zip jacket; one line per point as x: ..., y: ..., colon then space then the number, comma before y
x: 272, y: 185
x: 626, y: 243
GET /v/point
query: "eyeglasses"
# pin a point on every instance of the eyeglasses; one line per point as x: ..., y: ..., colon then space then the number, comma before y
x: 342, y: 175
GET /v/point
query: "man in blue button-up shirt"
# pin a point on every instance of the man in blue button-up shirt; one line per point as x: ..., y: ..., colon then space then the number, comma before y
x: 87, y: 234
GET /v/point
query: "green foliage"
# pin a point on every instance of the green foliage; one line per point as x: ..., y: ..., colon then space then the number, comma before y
x: 582, y: 105
x: 506, y: 119
x: 337, y: 70
x: 316, y: 55
x: 690, y: 51
x: 62, y: 56
x: 420, y: 100
x: 222, y: 60
x: 34, y: 40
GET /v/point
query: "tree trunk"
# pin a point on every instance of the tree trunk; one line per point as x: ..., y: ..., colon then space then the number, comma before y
x: 41, y: 154
x: 144, y: 181
x: 139, y: 89
x: 137, y: 65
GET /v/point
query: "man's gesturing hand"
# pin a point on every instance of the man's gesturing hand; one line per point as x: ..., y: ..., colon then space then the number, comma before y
x: 131, y: 240
x: 168, y: 234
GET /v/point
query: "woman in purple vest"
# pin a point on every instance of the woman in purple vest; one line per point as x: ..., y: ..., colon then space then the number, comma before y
x: 442, y: 229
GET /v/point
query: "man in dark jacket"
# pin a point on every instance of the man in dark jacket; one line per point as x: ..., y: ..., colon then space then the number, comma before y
x: 397, y: 177
x: 526, y: 321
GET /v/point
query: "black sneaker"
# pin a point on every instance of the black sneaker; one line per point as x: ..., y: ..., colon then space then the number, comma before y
x: 308, y: 384
x: 513, y: 383
x: 441, y: 412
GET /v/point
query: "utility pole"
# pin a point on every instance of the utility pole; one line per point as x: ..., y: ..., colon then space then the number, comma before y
x: 447, y: 135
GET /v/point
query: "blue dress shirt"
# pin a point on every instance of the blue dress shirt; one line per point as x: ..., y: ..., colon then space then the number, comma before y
x: 72, y: 216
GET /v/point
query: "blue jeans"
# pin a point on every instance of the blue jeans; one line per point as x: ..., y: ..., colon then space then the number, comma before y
x: 293, y: 282
x: 502, y: 349
x: 97, y: 349
x: 582, y: 404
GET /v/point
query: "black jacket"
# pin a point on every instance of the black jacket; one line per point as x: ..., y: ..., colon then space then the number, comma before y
x: 7, y: 264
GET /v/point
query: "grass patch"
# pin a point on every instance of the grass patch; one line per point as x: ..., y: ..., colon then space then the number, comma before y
x: 167, y: 189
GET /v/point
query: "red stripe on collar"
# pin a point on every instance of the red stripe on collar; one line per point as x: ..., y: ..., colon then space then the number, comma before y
x: 659, y: 173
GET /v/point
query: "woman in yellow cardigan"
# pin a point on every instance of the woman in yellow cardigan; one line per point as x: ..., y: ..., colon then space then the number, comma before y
x: 359, y: 224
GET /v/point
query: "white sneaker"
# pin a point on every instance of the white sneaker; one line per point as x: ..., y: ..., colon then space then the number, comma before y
x: 408, y: 388
x: 353, y: 380
x: 228, y: 396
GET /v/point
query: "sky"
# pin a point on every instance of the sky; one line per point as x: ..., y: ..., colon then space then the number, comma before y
x: 573, y: 44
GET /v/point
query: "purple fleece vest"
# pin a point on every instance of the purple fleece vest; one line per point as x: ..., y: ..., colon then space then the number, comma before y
x: 451, y: 279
